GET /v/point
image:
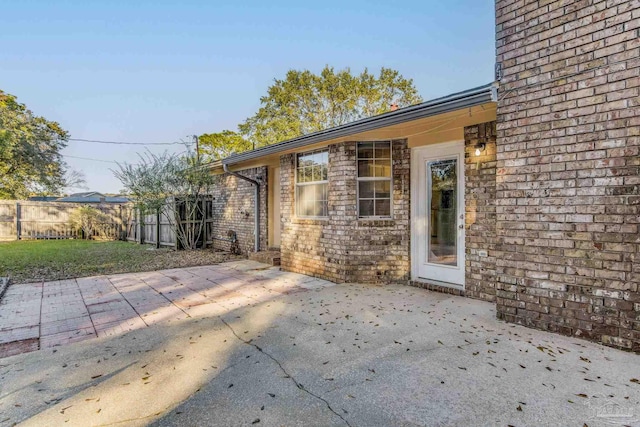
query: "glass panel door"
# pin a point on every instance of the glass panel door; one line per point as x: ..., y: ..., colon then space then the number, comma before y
x: 442, y: 197
x: 437, y: 213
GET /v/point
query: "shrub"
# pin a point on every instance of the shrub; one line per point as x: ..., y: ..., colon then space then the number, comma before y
x: 89, y: 220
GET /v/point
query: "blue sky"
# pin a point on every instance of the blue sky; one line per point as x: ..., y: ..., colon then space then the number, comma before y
x: 158, y: 71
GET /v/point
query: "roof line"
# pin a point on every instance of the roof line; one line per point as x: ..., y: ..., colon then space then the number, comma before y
x: 465, y: 99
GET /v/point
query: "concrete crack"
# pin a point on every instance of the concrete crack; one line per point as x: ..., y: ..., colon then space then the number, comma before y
x: 288, y: 375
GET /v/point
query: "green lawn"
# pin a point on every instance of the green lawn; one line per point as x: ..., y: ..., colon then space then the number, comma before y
x: 38, y: 260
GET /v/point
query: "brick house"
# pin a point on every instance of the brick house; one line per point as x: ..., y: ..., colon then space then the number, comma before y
x: 524, y: 192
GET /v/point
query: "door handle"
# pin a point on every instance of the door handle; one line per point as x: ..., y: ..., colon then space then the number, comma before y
x: 461, y: 226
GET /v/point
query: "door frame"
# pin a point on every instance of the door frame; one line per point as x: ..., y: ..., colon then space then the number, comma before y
x: 418, y: 187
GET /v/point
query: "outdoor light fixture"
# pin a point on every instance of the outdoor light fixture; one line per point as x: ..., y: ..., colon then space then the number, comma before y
x: 479, y: 148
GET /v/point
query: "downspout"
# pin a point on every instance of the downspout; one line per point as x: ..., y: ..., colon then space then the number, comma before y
x: 256, y: 185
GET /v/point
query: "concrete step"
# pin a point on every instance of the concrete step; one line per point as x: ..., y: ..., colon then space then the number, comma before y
x: 271, y: 257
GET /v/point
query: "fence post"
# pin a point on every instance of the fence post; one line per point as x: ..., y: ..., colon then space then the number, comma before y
x: 142, y: 237
x: 157, y: 229
x: 17, y: 221
x: 139, y: 226
x: 176, y: 216
x: 121, y: 225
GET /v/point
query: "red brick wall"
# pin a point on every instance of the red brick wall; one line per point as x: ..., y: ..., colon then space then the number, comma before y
x: 480, y: 206
x: 342, y: 247
x: 233, y: 209
x: 568, y: 181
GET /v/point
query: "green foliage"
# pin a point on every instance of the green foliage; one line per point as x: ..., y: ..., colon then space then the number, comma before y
x: 89, y: 219
x: 165, y: 183
x: 304, y: 103
x: 30, y: 160
x: 147, y: 182
x: 216, y: 146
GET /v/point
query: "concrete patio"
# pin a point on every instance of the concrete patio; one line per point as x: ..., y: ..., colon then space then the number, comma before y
x: 244, y: 344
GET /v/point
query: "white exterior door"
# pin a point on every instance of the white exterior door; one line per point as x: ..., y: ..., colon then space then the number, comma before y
x: 437, y: 176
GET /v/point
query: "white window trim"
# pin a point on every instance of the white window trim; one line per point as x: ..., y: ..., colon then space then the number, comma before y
x: 370, y: 178
x: 302, y: 184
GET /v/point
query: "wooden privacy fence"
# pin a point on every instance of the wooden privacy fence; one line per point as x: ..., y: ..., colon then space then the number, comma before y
x: 145, y: 228
x: 50, y: 220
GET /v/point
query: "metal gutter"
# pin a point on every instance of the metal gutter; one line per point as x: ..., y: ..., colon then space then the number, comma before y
x: 256, y: 185
x: 211, y: 165
x: 466, y: 99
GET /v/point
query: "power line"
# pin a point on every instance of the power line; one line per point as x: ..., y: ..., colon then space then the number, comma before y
x: 88, y: 158
x: 125, y: 143
x: 102, y: 160
x: 111, y: 142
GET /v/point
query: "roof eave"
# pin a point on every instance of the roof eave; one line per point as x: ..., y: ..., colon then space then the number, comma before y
x: 457, y: 101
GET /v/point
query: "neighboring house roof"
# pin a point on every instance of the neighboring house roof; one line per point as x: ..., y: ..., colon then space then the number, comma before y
x: 86, y: 194
x: 42, y: 198
x: 92, y: 197
x: 468, y: 98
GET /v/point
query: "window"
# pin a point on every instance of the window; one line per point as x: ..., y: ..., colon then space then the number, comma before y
x: 374, y: 179
x: 311, y: 184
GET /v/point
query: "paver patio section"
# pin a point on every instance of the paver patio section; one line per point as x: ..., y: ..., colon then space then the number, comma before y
x: 50, y: 314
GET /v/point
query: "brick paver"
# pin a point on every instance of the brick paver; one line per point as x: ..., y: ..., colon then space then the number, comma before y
x: 43, y: 315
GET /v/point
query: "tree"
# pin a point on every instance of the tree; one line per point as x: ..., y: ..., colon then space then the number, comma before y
x: 146, y: 183
x: 303, y: 102
x: 30, y: 159
x: 172, y: 186
x: 88, y: 219
x: 216, y: 146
